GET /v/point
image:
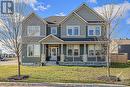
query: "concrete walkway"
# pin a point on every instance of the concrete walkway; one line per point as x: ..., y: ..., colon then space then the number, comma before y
x: 20, y: 84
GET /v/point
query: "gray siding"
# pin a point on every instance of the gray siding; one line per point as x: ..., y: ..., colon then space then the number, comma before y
x: 33, y: 20
x: 49, y: 29
x: 64, y: 49
x: 87, y: 14
x: 73, y: 20
x: 26, y: 59
x: 81, y: 49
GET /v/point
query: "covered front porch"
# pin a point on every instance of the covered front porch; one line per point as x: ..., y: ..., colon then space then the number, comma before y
x: 71, y: 53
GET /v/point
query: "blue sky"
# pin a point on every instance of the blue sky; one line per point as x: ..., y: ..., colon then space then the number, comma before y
x: 45, y: 8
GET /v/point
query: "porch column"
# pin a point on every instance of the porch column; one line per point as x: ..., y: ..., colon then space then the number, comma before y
x: 43, y: 57
x: 84, y: 55
x: 62, y: 54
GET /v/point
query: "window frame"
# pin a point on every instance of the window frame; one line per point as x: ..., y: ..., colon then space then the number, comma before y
x: 93, y: 27
x: 30, y: 27
x: 72, y: 27
x: 33, y: 45
x: 73, y: 48
x: 95, y: 48
x: 55, y: 29
x: 91, y: 49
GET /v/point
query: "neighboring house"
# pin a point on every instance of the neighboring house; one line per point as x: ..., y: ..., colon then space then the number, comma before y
x: 121, y: 46
x: 76, y: 39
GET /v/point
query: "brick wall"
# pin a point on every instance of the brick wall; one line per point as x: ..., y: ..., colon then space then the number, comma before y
x: 119, y: 58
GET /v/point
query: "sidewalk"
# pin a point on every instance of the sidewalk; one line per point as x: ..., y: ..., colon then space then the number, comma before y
x: 20, y: 84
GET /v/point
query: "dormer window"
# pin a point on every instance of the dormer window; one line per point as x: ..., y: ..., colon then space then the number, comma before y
x: 54, y: 30
x: 94, y: 30
x: 33, y: 30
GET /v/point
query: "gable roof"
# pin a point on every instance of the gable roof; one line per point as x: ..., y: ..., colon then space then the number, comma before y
x: 91, y: 9
x: 33, y: 14
x: 58, y: 40
x: 83, y: 5
x: 54, y: 19
x: 75, y: 15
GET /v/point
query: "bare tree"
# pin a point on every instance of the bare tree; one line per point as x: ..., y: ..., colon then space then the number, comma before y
x: 112, y: 15
x: 10, y: 33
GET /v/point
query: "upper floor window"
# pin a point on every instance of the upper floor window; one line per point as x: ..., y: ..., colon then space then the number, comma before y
x: 33, y: 30
x: 54, y: 30
x: 73, y: 30
x: 94, y: 30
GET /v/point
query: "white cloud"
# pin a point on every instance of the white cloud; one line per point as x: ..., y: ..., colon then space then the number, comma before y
x: 30, y: 1
x: 37, y: 6
x: 92, y: 1
x: 60, y: 14
x: 124, y: 8
x: 128, y: 21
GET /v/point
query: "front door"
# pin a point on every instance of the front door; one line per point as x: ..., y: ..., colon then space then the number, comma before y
x: 53, y: 53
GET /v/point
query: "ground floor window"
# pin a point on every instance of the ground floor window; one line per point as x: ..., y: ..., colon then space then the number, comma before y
x: 94, y: 50
x: 33, y: 50
x: 73, y: 50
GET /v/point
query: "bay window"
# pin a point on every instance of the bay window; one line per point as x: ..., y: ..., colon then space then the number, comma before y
x: 94, y: 30
x: 73, y: 50
x: 33, y: 50
x: 33, y: 30
x: 73, y: 30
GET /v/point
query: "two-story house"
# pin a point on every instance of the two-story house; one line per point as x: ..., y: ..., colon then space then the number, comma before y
x: 65, y: 40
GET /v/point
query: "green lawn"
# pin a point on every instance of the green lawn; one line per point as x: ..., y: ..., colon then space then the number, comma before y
x: 65, y: 73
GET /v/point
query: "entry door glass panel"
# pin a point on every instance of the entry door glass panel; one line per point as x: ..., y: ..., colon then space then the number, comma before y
x: 54, y: 53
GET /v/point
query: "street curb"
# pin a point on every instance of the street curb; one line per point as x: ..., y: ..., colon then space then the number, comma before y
x: 60, y: 84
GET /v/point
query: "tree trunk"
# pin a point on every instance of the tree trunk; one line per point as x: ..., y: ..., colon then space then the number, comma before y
x: 108, y: 51
x: 19, y: 74
x: 108, y: 62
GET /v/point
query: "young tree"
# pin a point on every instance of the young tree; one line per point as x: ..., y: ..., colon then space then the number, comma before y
x: 112, y: 14
x: 10, y: 33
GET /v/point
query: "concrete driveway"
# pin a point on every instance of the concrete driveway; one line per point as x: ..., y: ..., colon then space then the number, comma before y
x: 18, y: 84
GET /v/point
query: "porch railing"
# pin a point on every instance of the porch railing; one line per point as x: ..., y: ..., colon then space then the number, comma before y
x: 73, y: 58
x: 99, y: 58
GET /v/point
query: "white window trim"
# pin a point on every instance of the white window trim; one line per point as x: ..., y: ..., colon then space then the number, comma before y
x: 33, y: 35
x: 72, y: 51
x: 55, y: 29
x: 94, y: 50
x: 73, y: 30
x: 28, y: 50
x: 89, y: 28
x: 33, y: 50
